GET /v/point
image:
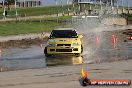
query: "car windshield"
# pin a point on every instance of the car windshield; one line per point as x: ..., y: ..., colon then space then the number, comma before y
x: 63, y: 34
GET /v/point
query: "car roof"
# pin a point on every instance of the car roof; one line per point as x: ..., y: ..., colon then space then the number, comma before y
x: 65, y: 29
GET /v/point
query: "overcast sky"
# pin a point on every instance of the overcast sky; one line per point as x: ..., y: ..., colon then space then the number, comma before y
x: 52, y: 2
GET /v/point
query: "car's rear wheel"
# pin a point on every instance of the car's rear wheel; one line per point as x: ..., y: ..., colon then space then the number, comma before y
x: 81, y: 48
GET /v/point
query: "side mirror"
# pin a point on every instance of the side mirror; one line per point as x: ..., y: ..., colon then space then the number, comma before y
x: 49, y: 37
x: 80, y: 36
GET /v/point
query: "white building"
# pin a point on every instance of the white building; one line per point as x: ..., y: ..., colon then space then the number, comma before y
x: 29, y: 3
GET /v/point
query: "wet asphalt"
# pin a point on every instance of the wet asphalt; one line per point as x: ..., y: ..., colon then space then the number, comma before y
x: 33, y: 56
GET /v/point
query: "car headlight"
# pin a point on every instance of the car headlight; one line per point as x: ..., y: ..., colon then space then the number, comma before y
x: 52, y: 45
x: 75, y: 44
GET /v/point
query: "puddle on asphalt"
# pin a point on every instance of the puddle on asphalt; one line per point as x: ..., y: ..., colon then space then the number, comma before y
x: 64, y: 60
x: 19, y: 58
x: 33, y: 57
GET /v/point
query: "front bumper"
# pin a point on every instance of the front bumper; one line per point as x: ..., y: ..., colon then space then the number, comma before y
x: 63, y: 50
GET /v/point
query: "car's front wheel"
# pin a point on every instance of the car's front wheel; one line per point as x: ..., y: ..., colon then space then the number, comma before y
x: 77, y: 54
x: 46, y: 53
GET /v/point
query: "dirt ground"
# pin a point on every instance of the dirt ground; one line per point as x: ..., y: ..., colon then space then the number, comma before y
x: 22, y: 43
x: 23, y: 40
x: 66, y: 76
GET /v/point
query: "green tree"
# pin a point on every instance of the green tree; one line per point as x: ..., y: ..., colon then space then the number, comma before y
x: 109, y: 1
x: 9, y: 2
x: 76, y: 1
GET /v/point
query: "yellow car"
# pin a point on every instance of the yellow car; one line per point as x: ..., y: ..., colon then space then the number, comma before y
x: 64, y: 41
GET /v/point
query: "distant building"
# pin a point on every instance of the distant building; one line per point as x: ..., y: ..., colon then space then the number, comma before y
x: 29, y: 3
x: 5, y: 4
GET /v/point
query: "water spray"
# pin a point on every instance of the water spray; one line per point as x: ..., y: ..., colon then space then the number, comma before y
x: 95, y: 29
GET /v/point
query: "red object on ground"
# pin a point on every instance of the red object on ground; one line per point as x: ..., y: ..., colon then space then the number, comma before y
x: 97, y: 40
x: 130, y: 37
x: 114, y: 39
